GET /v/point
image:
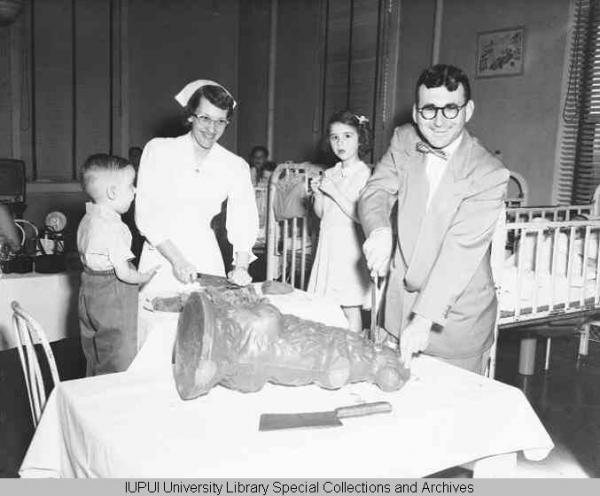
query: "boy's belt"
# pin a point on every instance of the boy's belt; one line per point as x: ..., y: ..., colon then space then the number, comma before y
x: 108, y: 272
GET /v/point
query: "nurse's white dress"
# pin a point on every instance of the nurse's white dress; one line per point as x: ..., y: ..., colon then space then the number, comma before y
x: 176, y: 199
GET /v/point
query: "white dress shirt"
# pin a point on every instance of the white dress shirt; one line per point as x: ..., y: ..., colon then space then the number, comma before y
x: 436, y: 166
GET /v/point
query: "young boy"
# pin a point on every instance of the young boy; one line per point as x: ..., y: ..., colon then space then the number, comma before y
x: 108, y: 297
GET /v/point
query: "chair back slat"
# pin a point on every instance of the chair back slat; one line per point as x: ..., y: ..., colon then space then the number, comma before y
x: 25, y: 361
x: 289, y: 236
x: 29, y: 333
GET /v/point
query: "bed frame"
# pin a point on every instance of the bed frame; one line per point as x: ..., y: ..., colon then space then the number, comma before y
x: 574, y: 225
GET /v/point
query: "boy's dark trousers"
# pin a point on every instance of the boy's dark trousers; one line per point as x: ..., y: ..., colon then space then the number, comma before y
x: 108, y: 311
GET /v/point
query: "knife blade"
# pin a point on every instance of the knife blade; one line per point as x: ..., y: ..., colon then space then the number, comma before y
x: 278, y: 421
x: 374, y: 288
x: 215, y: 281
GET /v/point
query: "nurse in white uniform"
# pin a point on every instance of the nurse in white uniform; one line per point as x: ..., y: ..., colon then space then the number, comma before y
x: 181, y: 185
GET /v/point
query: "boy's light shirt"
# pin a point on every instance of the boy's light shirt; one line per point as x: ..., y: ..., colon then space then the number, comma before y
x: 103, y: 240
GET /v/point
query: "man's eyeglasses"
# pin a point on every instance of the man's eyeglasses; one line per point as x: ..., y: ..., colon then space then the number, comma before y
x: 450, y: 111
x: 206, y: 121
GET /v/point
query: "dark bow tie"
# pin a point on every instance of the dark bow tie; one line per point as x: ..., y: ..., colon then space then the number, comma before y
x: 425, y: 148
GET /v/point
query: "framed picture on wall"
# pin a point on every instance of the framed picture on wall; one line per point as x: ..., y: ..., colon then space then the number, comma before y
x: 500, y: 53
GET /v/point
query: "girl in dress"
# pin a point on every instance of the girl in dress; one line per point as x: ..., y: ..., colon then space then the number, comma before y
x: 339, y: 270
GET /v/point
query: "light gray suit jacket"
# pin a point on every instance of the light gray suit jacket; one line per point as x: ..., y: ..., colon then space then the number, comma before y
x: 441, y: 263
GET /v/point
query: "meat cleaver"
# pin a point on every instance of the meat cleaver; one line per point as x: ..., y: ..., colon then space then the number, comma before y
x: 276, y: 421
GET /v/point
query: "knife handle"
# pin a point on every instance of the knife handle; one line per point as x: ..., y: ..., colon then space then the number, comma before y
x: 363, y: 409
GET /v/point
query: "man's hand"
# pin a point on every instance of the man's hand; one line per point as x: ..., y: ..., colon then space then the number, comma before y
x: 378, y: 251
x: 414, y: 338
x: 184, y: 271
x: 240, y: 276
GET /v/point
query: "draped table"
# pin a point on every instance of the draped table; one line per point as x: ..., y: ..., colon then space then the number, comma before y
x: 134, y: 424
x: 50, y: 298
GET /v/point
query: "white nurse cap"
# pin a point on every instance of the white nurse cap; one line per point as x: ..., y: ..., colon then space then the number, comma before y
x: 189, y: 89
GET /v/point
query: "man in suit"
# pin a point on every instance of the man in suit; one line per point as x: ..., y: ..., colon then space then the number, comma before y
x: 450, y: 191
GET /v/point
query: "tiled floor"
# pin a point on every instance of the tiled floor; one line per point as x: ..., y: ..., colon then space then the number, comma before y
x: 567, y: 400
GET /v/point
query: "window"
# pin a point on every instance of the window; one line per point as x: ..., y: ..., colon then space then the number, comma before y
x: 579, y: 172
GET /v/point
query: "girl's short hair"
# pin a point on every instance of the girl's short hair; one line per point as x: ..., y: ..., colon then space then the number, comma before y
x: 362, y: 126
x: 216, y: 95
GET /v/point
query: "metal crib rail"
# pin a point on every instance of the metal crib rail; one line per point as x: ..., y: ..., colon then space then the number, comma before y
x: 550, y: 254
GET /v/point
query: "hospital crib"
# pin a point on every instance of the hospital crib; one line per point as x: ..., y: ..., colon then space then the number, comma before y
x: 549, y: 276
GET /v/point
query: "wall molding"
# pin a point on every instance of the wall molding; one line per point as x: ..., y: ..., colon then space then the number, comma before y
x: 120, y: 77
x: 16, y: 61
x: 438, y: 18
x: 388, y: 63
x: 271, y: 78
x: 37, y: 187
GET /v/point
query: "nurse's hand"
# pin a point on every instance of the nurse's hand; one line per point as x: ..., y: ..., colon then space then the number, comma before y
x: 149, y: 274
x: 239, y: 276
x: 184, y: 271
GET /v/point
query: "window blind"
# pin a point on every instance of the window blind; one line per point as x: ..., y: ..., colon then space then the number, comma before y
x: 580, y: 145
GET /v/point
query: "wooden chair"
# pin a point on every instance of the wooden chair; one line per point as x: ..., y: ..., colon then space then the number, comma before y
x: 291, y: 236
x: 29, y: 333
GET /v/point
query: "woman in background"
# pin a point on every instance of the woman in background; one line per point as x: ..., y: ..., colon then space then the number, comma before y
x: 181, y: 185
x: 258, y: 158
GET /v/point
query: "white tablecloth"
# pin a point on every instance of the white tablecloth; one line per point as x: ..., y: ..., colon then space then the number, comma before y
x: 50, y: 298
x: 134, y: 424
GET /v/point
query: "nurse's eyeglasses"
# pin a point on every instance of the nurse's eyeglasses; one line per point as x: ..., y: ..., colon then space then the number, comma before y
x: 206, y: 121
x: 450, y: 111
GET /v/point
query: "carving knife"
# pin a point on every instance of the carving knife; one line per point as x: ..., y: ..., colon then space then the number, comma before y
x: 374, y: 298
x: 277, y: 421
x: 216, y: 281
